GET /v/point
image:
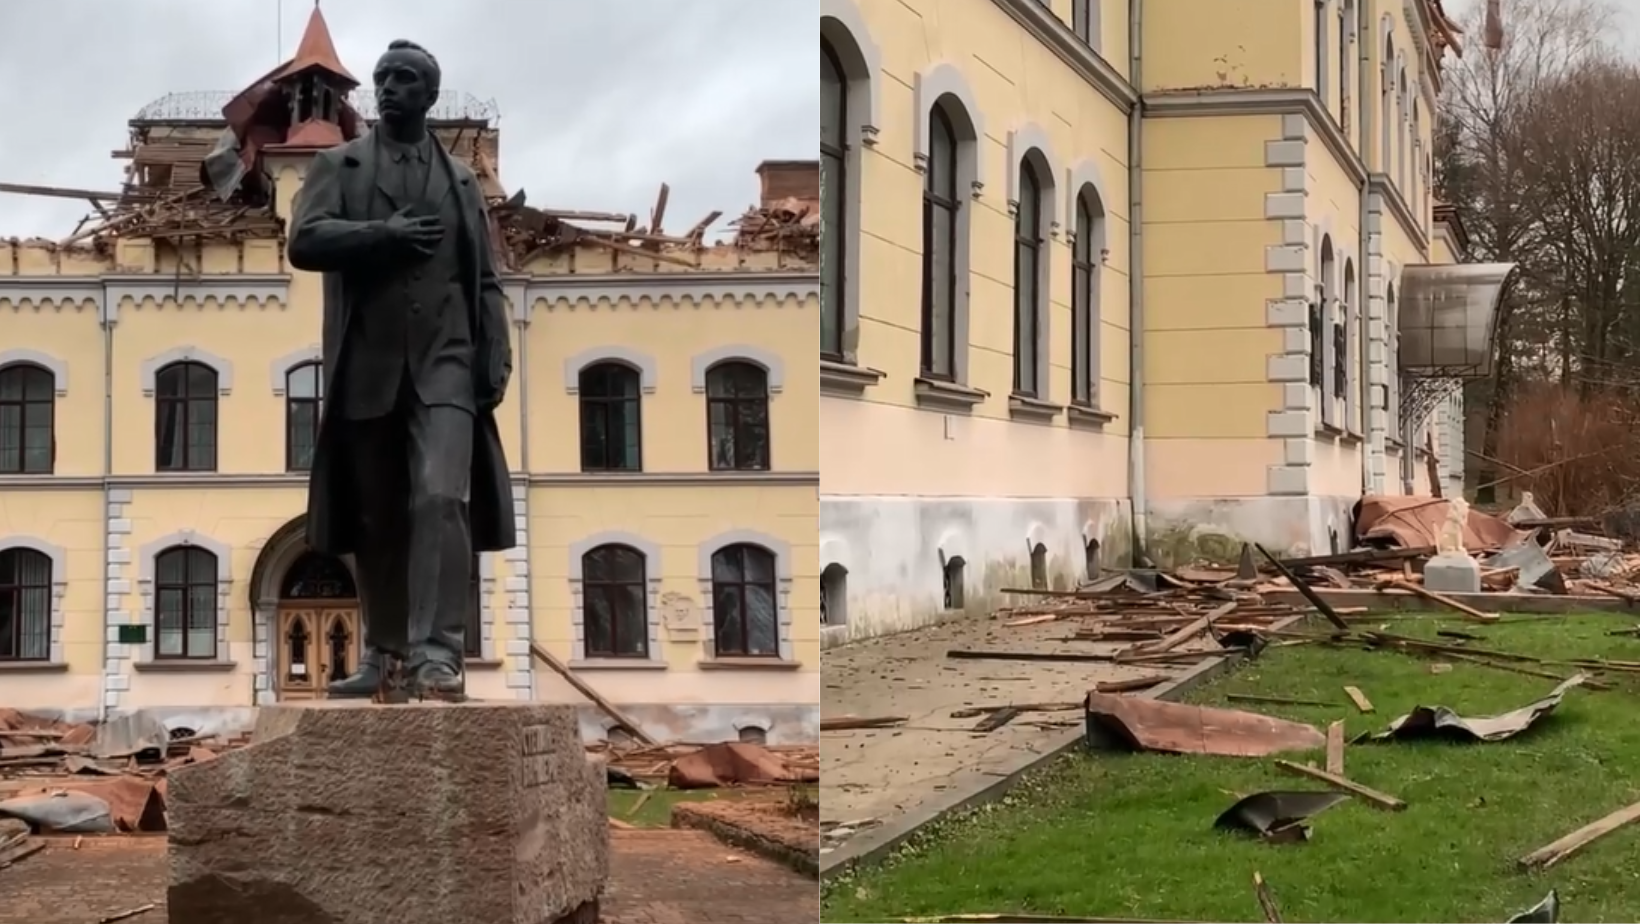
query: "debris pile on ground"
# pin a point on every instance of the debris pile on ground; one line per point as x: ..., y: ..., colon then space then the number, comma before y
x: 78, y: 778
x: 1521, y: 552
x: 683, y: 765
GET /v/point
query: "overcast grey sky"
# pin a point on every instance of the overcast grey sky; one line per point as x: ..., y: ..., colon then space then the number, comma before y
x: 600, y: 100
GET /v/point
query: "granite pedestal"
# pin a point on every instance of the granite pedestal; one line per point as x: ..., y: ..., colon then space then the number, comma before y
x: 1453, y: 573
x: 427, y: 813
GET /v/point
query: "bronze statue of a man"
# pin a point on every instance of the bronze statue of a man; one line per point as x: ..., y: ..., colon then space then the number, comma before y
x: 409, y: 475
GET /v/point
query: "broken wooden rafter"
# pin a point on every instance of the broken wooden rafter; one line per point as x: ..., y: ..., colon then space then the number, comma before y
x: 1344, y: 784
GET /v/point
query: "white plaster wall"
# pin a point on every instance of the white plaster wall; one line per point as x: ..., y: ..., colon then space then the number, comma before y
x: 891, y: 549
x: 1194, y: 528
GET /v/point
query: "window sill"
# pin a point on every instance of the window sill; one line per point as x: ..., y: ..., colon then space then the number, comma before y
x: 33, y: 667
x: 1026, y: 407
x: 948, y: 395
x: 1329, y: 431
x: 483, y: 664
x: 747, y: 664
x: 1088, y: 416
x: 617, y: 664
x: 847, y: 378
x: 1351, y: 438
x: 185, y: 666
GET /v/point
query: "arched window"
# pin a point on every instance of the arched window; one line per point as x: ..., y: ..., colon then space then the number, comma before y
x: 25, y: 605
x: 304, y: 398
x: 745, y: 602
x: 615, y: 602
x: 1086, y: 258
x: 316, y: 576
x: 185, y: 418
x: 737, y: 417
x: 611, y: 425
x: 185, y: 603
x: 1320, y: 331
x: 834, y: 117
x: 1392, y: 393
x: 28, y: 402
x: 1085, y: 23
x: 834, y: 595
x: 1347, y: 374
x: 1346, y: 30
x: 1416, y: 196
x: 1039, y: 566
x: 939, y: 283
x: 1386, y: 103
x: 1401, y: 143
x: 951, y: 580
x: 1027, y: 281
x: 1323, y: 65
x: 472, y: 641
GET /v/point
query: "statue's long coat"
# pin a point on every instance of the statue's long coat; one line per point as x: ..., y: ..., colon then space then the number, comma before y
x: 341, y: 184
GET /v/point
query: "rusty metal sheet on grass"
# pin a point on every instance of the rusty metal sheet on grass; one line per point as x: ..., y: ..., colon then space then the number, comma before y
x: 1441, y: 722
x: 1180, y: 728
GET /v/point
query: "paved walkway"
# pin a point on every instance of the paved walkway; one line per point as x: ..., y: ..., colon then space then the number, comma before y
x: 657, y: 877
x: 878, y: 776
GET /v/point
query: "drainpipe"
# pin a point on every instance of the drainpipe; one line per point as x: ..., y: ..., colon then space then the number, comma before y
x: 108, y: 496
x: 1136, y: 287
x: 1363, y: 339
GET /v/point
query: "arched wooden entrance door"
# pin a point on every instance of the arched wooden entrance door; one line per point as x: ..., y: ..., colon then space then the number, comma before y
x: 318, y: 634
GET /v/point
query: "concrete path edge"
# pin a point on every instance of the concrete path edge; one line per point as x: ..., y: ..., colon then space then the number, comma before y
x: 978, y: 788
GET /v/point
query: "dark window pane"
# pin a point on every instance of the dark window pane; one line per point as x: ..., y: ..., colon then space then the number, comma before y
x: 633, y: 634
x: 170, y: 607
x: 942, y: 304
x: 762, y: 631
x: 726, y: 565
x: 833, y: 98
x: 201, y: 380
x: 832, y: 230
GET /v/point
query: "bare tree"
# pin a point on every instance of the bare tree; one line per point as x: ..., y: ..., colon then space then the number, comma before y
x: 1482, y: 162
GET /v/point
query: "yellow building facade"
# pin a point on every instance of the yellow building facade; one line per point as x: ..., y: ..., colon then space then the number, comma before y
x: 157, y: 411
x: 1105, y: 278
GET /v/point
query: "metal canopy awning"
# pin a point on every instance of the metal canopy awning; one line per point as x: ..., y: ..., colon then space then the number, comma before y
x: 1447, y: 317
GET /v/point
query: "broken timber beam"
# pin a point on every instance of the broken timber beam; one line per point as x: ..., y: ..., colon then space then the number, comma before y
x: 1321, y: 606
x: 608, y: 708
x: 1547, y: 856
x: 1345, y: 784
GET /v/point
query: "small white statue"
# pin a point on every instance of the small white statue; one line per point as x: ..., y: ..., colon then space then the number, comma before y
x: 1450, y: 540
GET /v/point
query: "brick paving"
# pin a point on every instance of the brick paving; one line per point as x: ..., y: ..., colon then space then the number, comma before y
x: 656, y: 877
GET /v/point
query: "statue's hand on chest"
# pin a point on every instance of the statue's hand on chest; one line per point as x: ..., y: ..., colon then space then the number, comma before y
x: 416, y: 234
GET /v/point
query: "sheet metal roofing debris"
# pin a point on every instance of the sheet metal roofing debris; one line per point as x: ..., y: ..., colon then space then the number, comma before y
x: 1278, y: 816
x: 1181, y: 728
x: 1544, y: 912
x: 1441, y: 722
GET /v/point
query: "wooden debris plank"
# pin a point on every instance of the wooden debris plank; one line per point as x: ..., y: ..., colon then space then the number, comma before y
x: 1345, y: 784
x: 997, y: 719
x: 1128, y: 686
x: 1467, y: 611
x: 1359, y: 698
x: 850, y: 722
x: 1335, y: 748
x: 1266, y: 899
x: 1190, y: 631
x: 1547, y: 856
x: 607, y: 707
x: 1275, y: 700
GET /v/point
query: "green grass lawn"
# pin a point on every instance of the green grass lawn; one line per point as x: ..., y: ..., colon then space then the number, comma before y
x: 656, y: 810
x: 1131, y: 836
